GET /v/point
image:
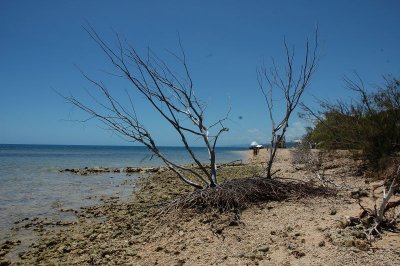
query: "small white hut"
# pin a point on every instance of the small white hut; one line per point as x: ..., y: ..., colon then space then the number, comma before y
x: 254, y: 144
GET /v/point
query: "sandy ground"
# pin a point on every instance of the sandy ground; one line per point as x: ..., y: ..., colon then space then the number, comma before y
x: 306, y: 231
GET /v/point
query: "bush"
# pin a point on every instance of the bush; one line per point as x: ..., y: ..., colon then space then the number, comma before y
x: 369, y: 124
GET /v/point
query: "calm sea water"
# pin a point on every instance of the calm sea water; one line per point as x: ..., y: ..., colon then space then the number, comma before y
x: 32, y: 186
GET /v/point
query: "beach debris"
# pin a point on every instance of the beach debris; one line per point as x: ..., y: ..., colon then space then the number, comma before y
x: 238, y: 194
x: 381, y: 217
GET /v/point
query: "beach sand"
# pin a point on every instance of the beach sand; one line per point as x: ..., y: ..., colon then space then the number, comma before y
x: 303, y: 231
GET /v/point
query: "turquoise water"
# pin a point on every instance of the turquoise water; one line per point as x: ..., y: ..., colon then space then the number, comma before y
x: 32, y: 186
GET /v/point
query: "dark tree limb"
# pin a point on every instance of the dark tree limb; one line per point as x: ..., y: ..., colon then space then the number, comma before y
x: 292, y: 84
x: 170, y: 94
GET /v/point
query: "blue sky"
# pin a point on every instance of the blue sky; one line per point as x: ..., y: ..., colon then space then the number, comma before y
x: 42, y: 42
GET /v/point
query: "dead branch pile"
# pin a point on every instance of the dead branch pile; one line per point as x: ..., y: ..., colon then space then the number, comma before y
x: 384, y: 216
x: 238, y: 194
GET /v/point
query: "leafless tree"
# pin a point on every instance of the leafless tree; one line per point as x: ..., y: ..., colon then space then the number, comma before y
x: 290, y: 83
x: 170, y: 93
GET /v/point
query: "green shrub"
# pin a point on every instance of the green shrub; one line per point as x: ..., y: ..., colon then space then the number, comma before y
x: 370, y: 124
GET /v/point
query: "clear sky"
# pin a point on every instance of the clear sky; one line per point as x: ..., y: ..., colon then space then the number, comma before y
x: 42, y: 41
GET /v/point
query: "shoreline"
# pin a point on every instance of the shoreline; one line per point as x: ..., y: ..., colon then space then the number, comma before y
x: 28, y: 228
x: 272, y: 233
x: 33, y: 185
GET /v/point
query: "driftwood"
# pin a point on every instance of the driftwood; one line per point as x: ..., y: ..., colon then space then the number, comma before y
x: 376, y: 220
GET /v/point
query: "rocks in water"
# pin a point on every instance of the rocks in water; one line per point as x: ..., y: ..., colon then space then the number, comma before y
x: 87, y: 170
x: 142, y: 169
x: 75, y: 171
x: 100, y: 170
x: 132, y: 169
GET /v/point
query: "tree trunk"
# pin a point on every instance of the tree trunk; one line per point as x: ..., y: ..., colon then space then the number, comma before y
x: 213, y: 172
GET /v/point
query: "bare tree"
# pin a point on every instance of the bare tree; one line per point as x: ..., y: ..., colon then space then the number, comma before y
x: 291, y: 83
x: 170, y: 93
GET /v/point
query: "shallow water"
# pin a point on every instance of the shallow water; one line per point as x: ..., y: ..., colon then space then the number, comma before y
x: 32, y: 186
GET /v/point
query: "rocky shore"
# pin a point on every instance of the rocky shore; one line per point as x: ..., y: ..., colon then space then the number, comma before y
x: 100, y: 170
x: 130, y: 169
x: 306, y: 231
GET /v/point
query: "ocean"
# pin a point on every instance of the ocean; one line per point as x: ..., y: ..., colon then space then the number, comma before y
x: 31, y: 184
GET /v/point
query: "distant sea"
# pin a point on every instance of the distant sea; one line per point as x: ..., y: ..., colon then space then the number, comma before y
x: 32, y: 186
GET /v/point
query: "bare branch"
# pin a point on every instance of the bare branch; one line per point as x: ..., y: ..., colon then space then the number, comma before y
x: 170, y: 94
x: 291, y: 87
